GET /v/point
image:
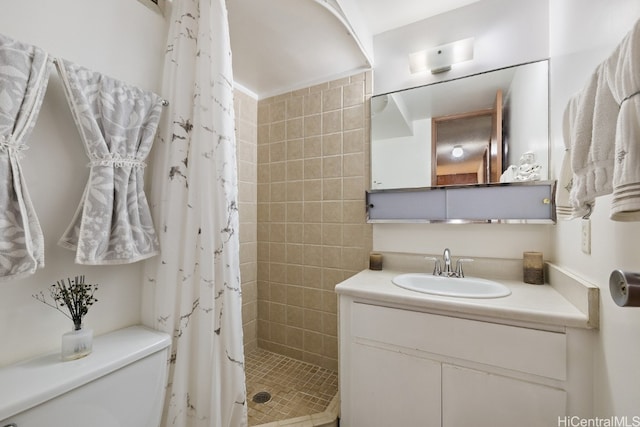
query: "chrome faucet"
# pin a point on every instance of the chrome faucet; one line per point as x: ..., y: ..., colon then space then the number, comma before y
x: 448, y: 270
x: 446, y: 257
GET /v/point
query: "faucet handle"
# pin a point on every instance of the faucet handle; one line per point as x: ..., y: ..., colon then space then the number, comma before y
x: 459, y: 272
x: 437, y: 270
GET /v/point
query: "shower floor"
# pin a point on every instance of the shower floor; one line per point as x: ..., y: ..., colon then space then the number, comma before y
x: 297, y: 388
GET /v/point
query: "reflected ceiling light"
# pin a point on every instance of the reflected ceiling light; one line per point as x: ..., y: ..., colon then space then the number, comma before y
x: 379, y: 103
x: 457, y: 151
x: 440, y: 58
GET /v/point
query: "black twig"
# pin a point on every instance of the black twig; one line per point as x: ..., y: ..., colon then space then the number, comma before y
x: 77, y: 296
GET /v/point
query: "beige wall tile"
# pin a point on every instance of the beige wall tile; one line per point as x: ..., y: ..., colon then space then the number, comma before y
x: 277, y: 132
x: 312, y: 125
x: 354, y: 164
x: 354, y: 188
x: 295, y: 149
x: 278, y: 294
x: 295, y: 232
x: 332, y: 189
x: 312, y: 212
x: 277, y: 112
x: 353, y: 117
x: 332, y: 144
x: 295, y: 296
x: 295, y: 212
x: 331, y: 277
x: 278, y: 333
x: 308, y: 184
x: 295, y: 170
x: 313, y: 299
x: 277, y: 313
x: 277, y: 272
x: 295, y: 255
x: 313, y: 255
x: 277, y: 211
x: 294, y: 274
x: 312, y: 147
x: 330, y: 326
x: 313, y: 168
x: 312, y: 190
x: 332, y: 167
x: 332, y: 211
x: 312, y: 276
x: 312, y: 103
x: 353, y: 94
x: 295, y: 316
x: 277, y: 171
x: 332, y: 234
x: 295, y: 107
x: 313, y: 320
x: 354, y: 212
x: 295, y: 128
x: 332, y: 256
x: 312, y: 342
x: 295, y: 191
x: 332, y: 122
x: 295, y: 337
x: 332, y: 99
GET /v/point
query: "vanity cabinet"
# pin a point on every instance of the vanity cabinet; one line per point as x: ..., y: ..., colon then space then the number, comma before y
x: 400, y: 367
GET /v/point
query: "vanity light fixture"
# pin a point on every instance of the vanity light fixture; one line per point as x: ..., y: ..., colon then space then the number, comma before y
x: 440, y: 58
x: 457, y: 151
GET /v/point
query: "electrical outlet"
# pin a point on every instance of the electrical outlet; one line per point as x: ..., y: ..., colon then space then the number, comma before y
x: 586, y: 236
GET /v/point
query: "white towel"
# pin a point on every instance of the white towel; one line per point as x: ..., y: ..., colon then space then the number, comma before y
x: 564, y: 209
x: 593, y: 150
x: 623, y: 75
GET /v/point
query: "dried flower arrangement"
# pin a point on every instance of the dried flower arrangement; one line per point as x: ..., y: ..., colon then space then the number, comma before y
x: 77, y: 296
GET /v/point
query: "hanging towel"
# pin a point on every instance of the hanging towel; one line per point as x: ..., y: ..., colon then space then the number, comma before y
x: 623, y: 75
x: 564, y: 209
x: 24, y: 74
x: 593, y: 153
x: 117, y: 124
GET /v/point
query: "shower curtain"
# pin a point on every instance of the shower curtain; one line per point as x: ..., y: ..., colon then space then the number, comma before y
x: 192, y: 289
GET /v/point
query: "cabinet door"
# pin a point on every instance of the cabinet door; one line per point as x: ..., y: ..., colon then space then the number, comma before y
x: 480, y: 399
x: 390, y: 388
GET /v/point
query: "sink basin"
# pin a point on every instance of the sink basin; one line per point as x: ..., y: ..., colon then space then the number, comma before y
x: 467, y: 287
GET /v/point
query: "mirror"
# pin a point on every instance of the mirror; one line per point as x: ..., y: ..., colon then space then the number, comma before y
x: 486, y: 128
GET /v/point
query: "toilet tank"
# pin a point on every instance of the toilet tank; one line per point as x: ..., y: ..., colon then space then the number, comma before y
x: 120, y: 384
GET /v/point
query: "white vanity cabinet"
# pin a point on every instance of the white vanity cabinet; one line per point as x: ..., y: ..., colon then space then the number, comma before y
x: 406, y: 367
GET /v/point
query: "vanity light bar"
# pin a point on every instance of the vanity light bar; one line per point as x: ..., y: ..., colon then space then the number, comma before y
x: 440, y: 58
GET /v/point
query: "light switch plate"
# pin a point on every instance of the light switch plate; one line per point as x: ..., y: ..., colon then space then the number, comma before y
x: 586, y: 236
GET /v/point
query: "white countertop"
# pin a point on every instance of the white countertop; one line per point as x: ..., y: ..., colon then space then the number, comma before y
x: 537, y: 304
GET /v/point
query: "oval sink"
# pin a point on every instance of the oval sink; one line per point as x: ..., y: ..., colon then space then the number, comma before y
x: 467, y: 287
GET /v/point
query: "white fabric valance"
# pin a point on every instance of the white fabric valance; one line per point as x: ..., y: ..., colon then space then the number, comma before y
x: 117, y: 123
x: 24, y: 74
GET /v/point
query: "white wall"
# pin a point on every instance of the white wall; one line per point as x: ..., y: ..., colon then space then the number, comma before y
x: 583, y: 33
x: 530, y: 86
x: 403, y: 162
x: 120, y: 38
x: 506, y: 32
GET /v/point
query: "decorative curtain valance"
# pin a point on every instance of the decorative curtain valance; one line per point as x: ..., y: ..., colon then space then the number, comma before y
x: 24, y: 74
x: 117, y: 123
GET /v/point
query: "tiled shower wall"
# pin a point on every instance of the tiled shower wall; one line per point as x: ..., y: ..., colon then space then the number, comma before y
x: 313, y: 162
x: 247, y: 139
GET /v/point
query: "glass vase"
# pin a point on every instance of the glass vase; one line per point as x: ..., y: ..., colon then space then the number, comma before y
x: 77, y: 343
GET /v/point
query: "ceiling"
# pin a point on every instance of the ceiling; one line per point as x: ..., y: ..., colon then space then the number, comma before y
x: 283, y: 45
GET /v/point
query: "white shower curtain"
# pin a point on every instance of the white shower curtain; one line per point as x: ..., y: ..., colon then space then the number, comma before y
x: 192, y: 290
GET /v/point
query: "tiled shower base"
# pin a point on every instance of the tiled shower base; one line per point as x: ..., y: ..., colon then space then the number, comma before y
x: 302, y: 394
